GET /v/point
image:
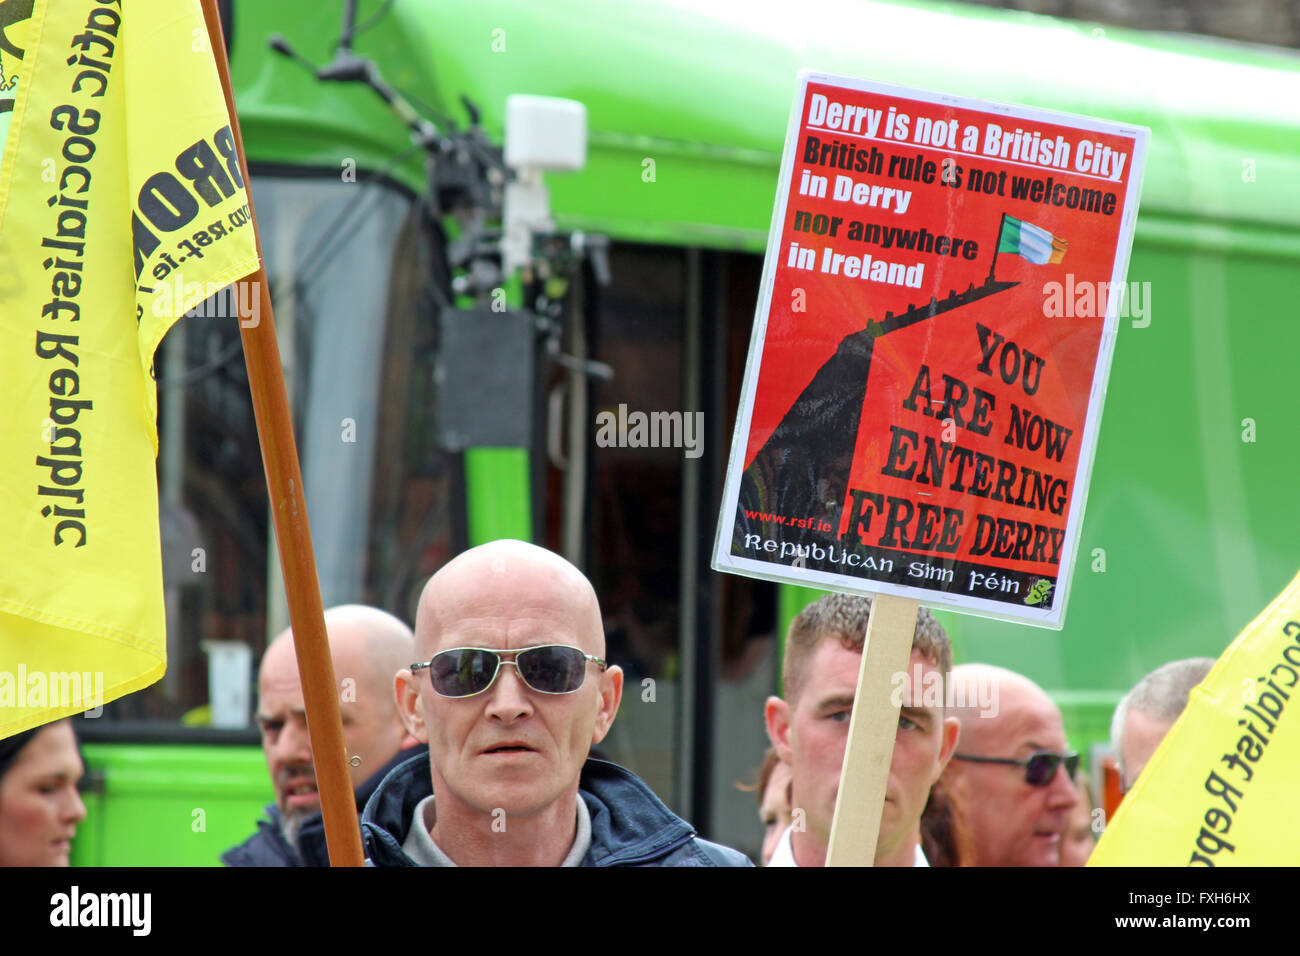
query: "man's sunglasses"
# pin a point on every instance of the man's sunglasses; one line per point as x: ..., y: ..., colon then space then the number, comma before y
x: 1040, y: 766
x: 547, y: 669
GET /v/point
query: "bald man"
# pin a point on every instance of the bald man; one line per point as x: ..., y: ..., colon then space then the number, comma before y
x: 1012, y: 775
x: 368, y: 647
x: 510, y: 689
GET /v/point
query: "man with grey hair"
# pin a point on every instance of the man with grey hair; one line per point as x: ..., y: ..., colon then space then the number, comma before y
x: 1146, y: 713
x: 368, y: 647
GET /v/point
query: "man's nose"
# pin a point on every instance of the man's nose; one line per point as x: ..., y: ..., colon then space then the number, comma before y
x: 509, y: 698
x: 294, y: 744
x: 1062, y: 793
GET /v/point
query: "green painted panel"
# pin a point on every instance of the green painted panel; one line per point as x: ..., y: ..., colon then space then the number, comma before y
x: 497, y: 494
x: 704, y: 89
x: 791, y: 600
x: 169, y: 805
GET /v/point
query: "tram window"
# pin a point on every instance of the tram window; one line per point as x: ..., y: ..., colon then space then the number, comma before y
x: 635, y: 506
x: 634, y: 522
x: 411, y: 526
x: 351, y: 276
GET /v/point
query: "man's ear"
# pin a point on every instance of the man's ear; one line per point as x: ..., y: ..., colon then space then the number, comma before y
x: 611, y: 693
x: 407, y: 689
x: 776, y: 713
x: 947, y: 745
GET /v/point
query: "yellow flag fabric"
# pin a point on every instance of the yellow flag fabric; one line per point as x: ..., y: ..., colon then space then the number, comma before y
x: 121, y: 207
x: 1221, y: 789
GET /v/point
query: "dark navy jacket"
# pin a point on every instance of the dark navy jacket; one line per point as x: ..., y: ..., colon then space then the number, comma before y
x: 630, y: 826
x: 268, y: 847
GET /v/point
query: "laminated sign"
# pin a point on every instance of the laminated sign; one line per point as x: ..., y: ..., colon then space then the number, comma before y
x: 939, y: 306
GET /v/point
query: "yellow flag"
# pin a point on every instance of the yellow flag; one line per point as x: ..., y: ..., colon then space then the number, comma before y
x: 1221, y: 789
x: 121, y: 207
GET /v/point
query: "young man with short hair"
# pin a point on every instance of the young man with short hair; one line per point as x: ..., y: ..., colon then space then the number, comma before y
x: 810, y: 729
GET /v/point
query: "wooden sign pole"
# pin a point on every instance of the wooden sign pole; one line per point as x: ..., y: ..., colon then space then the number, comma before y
x: 872, y: 730
x: 292, y: 530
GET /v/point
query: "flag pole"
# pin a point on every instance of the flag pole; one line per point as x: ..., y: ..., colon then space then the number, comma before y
x: 997, y: 242
x: 292, y: 531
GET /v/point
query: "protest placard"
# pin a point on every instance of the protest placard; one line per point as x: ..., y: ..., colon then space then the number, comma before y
x: 938, y: 310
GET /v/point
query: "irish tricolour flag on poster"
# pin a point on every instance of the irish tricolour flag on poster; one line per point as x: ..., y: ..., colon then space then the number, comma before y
x: 1030, y: 242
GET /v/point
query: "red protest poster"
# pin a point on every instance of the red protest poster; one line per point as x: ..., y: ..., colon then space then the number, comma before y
x: 925, y: 380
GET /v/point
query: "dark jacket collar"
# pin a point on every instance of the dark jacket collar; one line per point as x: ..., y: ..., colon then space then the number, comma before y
x: 628, y: 822
x: 387, y: 814
x: 367, y: 789
x: 266, y: 847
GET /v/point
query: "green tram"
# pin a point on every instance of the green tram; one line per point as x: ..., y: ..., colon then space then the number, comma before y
x: 1191, y: 521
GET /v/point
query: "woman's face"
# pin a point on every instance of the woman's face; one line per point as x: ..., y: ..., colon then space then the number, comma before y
x: 1078, y: 841
x: 39, y: 804
x: 775, y: 809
